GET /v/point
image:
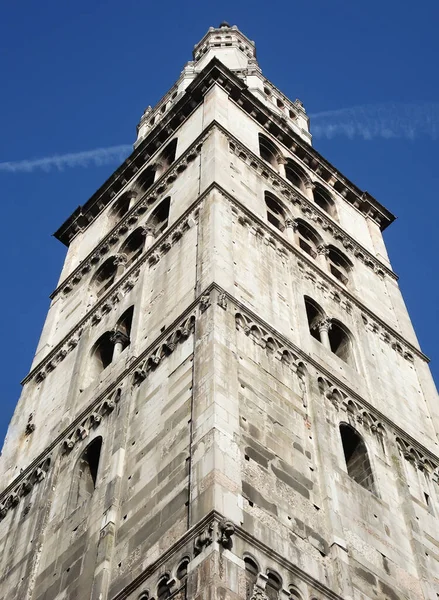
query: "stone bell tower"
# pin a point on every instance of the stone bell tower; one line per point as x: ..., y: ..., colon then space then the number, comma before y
x: 228, y: 400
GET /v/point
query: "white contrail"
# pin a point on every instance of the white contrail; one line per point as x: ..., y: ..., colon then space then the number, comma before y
x: 393, y: 120
x: 97, y: 157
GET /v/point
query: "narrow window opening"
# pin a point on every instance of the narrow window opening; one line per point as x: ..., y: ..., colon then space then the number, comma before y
x: 104, y: 276
x: 251, y: 576
x: 145, y: 179
x: 295, y: 175
x: 133, y: 246
x: 268, y: 151
x: 102, y: 354
x: 273, y: 585
x: 339, y: 265
x: 163, y: 588
x: 160, y: 216
x: 323, y: 199
x: 125, y: 322
x: 427, y: 499
x: 357, y: 459
x: 340, y: 342
x: 308, y: 239
x: 84, y: 480
x: 121, y: 207
x: 166, y: 158
x: 182, y: 569
x: 314, y: 314
x: 275, y: 212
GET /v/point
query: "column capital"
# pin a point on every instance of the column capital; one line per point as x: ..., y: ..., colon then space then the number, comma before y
x: 148, y: 230
x: 322, y: 249
x: 291, y: 223
x: 119, y: 337
x: 324, y: 324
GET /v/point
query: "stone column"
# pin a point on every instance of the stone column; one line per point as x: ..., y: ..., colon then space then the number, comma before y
x: 309, y: 185
x: 290, y: 229
x: 281, y: 161
x: 324, y: 325
x: 133, y: 195
x: 120, y: 341
x: 149, y: 233
x: 120, y: 261
x: 322, y: 252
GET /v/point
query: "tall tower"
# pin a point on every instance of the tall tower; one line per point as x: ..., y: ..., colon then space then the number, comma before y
x: 228, y: 400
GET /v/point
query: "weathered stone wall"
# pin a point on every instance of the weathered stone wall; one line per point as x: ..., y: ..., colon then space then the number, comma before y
x: 220, y: 421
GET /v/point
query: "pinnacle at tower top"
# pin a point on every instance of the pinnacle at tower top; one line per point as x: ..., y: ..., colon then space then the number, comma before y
x: 228, y: 399
x: 237, y: 53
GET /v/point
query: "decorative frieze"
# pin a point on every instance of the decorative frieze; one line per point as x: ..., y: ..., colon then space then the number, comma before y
x: 155, y: 357
x: 25, y: 484
x: 273, y: 345
x: 308, y: 209
x: 92, y: 420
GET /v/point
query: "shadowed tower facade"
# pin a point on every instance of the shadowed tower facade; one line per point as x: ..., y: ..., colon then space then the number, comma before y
x: 228, y: 400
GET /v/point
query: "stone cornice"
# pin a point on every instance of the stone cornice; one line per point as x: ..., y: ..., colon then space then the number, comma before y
x: 282, y: 245
x: 122, y: 285
x: 277, y: 126
x: 156, y: 191
x: 309, y: 208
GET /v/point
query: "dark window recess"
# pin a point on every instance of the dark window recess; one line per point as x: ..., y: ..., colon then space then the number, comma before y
x: 314, y: 314
x: 357, y: 459
x: 273, y: 585
x: 251, y: 575
x: 104, y: 276
x: 84, y: 479
x: 163, y: 588
x: 275, y: 212
x: 160, y: 216
x: 268, y: 151
x: 340, y: 342
x: 323, y: 199
x: 133, y: 246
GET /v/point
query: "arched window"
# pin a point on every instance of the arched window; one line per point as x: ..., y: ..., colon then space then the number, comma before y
x: 163, y: 588
x: 121, y: 206
x: 125, y: 322
x: 133, y: 245
x: 145, y: 180
x: 324, y: 200
x: 166, y: 158
x: 339, y: 264
x: 104, y: 276
x: 269, y: 151
x: 357, y: 460
x: 101, y: 354
x: 182, y: 568
x: 273, y: 585
x: 340, y: 341
x: 314, y: 315
x: 275, y: 212
x: 307, y: 238
x: 160, y: 216
x: 295, y: 174
x: 85, y: 474
x: 251, y: 575
x: 294, y: 593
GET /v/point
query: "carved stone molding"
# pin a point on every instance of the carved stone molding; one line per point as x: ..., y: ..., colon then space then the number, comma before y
x: 23, y: 487
x: 419, y: 459
x: 165, y: 348
x: 92, y: 420
x: 288, y: 192
x: 266, y: 340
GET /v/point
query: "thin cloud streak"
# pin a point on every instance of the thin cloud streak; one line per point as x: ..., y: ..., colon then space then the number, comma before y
x: 387, y: 121
x: 59, y: 162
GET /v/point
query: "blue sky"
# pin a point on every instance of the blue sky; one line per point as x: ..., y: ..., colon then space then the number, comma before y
x: 77, y: 76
